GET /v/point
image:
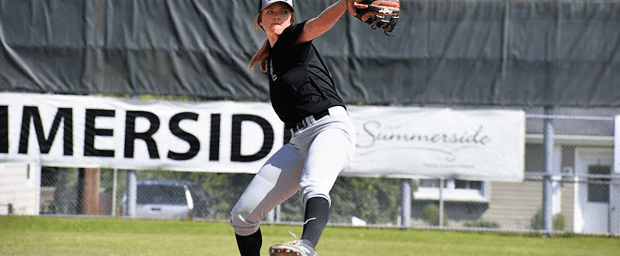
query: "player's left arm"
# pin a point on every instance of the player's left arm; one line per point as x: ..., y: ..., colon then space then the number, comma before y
x: 318, y: 25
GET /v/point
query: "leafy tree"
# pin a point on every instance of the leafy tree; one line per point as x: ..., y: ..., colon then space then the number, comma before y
x: 374, y: 200
x: 430, y: 215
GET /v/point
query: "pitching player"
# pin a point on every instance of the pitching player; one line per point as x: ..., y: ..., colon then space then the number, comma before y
x: 304, y: 96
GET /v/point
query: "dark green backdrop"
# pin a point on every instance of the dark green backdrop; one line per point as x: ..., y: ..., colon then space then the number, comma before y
x: 477, y: 52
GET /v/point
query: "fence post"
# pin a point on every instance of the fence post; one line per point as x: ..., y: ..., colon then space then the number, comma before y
x: 79, y: 206
x: 614, y: 195
x: 548, y: 171
x: 114, y: 191
x: 132, y: 186
x: 614, y: 215
x: 441, y: 206
x: 132, y: 192
x: 271, y: 216
x: 405, y: 202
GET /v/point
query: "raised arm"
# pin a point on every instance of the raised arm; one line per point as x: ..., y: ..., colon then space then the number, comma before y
x: 322, y: 23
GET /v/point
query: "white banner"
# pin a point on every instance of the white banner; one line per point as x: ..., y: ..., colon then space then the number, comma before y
x: 90, y: 131
x: 440, y: 143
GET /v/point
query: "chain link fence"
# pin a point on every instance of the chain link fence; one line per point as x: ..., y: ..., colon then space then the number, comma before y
x: 584, y: 192
x: 356, y: 201
x: 377, y: 201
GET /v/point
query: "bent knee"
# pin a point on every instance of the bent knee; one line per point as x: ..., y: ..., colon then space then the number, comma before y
x: 310, y: 192
x: 243, y: 223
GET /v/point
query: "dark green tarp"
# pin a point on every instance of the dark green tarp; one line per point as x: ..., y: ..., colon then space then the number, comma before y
x: 524, y: 53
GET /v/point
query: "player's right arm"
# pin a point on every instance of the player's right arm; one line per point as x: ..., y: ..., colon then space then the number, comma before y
x: 318, y: 25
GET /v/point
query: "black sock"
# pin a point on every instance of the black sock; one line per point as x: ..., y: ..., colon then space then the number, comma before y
x: 315, y: 219
x: 250, y: 245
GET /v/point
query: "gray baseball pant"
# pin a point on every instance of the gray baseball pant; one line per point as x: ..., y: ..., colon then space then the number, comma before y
x: 309, y: 163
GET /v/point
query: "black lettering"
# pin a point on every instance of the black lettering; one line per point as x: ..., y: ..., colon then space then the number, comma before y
x: 214, y: 142
x: 4, y: 129
x: 435, y: 138
x: 481, y: 140
x: 45, y: 144
x: 90, y: 132
x: 268, y: 136
x: 371, y: 135
x: 194, y: 144
x: 131, y: 135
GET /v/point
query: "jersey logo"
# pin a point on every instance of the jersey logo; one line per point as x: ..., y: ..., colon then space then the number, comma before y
x: 273, y: 76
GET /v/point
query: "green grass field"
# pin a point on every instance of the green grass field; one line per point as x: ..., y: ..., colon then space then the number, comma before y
x: 116, y: 236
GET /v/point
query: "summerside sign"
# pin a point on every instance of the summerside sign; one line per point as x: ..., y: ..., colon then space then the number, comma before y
x: 441, y: 143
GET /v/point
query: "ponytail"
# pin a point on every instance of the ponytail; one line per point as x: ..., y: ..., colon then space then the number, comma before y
x: 260, y: 58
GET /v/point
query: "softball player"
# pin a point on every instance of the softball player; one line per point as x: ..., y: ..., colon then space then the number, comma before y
x: 303, y: 95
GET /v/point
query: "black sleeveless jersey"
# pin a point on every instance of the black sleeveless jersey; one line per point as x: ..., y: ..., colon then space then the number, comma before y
x: 299, y: 83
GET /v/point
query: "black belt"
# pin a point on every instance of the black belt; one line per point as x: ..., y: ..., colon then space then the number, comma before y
x: 303, y: 123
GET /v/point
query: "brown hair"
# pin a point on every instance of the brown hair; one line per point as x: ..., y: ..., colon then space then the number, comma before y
x: 261, y: 56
